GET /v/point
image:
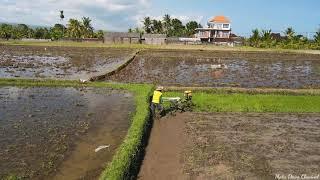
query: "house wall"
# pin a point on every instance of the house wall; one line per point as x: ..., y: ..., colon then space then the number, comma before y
x: 155, y: 41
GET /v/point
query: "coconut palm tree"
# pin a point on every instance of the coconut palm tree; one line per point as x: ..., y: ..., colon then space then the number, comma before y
x: 147, y: 24
x: 290, y: 33
x: 166, y: 23
x: 87, y: 27
x: 74, y: 28
x: 255, y: 38
x: 317, y: 36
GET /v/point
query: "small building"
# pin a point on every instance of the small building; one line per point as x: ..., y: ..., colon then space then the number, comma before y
x: 121, y: 37
x: 218, y: 31
x: 154, y: 39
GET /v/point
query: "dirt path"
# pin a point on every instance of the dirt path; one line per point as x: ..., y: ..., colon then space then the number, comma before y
x: 163, y: 153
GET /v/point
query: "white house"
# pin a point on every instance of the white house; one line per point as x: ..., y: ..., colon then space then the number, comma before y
x: 218, y: 30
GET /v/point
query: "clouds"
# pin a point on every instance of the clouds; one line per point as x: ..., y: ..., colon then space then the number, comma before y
x: 112, y: 15
x: 106, y: 14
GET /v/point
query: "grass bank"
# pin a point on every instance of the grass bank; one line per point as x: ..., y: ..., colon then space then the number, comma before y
x: 244, y: 102
x: 124, y: 163
x: 145, y: 46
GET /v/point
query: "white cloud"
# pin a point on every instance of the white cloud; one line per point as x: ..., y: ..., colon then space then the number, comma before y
x: 105, y: 14
x: 114, y: 15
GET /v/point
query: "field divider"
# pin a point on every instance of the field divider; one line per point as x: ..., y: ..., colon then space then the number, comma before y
x: 116, y: 70
x: 247, y: 90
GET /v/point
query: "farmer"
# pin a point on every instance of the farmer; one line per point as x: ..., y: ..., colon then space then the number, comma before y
x: 157, y: 101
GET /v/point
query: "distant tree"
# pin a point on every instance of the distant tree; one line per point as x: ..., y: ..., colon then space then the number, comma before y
x: 130, y: 30
x: 42, y: 33
x: 177, y: 28
x: 156, y: 26
x: 191, y: 28
x: 317, y: 37
x: 254, y: 38
x: 147, y: 24
x: 57, y: 31
x: 87, y: 27
x: 166, y: 23
x: 6, y: 31
x: 100, y: 34
x: 21, y: 31
x: 266, y: 35
x: 289, y: 33
x: 74, y: 29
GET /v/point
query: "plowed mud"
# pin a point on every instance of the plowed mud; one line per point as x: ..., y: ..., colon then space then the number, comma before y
x: 223, y: 68
x: 233, y: 146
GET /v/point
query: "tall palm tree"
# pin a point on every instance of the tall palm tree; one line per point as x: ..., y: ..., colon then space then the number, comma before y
x: 255, y: 37
x: 317, y: 36
x: 166, y: 23
x: 87, y: 27
x: 147, y: 24
x: 74, y: 28
x: 290, y: 33
x: 61, y: 15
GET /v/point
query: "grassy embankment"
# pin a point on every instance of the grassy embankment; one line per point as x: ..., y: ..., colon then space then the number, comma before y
x: 244, y: 102
x: 128, y: 154
x: 144, y: 46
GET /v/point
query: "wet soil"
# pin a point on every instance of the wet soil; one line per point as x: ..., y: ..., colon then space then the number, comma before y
x: 234, y: 146
x: 52, y: 133
x: 59, y: 62
x: 162, y: 159
x: 223, y: 68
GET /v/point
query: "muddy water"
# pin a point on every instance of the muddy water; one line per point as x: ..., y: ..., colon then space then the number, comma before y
x: 52, y: 133
x: 197, y: 68
x: 59, y: 62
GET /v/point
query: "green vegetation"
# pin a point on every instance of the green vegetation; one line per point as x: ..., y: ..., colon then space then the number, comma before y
x: 241, y: 102
x: 290, y: 40
x: 172, y: 27
x: 75, y: 29
x: 126, y: 157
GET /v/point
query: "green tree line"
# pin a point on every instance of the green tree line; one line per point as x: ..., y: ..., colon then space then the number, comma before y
x: 172, y: 27
x: 290, y: 40
x: 75, y: 29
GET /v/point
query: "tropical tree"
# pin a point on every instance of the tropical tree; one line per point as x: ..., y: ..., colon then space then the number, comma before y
x: 191, y: 28
x: 147, y: 24
x: 6, y: 31
x: 57, y: 31
x: 99, y: 34
x: 156, y: 26
x: 289, y: 33
x: 21, y: 31
x: 74, y: 29
x: 317, y: 37
x: 166, y: 23
x: 87, y: 27
x: 177, y: 28
x: 42, y: 33
x: 255, y: 38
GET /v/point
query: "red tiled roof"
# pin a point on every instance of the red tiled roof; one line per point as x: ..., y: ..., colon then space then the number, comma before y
x: 220, y: 19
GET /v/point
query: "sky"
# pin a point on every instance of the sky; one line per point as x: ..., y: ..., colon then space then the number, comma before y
x: 120, y: 15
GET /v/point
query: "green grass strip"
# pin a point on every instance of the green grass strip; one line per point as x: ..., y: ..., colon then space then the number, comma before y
x: 242, y: 102
x: 127, y: 155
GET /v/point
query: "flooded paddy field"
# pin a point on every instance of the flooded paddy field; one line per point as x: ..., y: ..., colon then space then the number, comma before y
x: 53, y: 133
x: 233, y: 146
x: 59, y: 62
x: 223, y: 68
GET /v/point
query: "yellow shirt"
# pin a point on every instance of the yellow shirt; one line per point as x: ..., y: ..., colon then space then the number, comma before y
x: 156, y: 97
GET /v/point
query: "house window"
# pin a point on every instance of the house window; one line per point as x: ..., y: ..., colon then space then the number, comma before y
x: 225, y: 25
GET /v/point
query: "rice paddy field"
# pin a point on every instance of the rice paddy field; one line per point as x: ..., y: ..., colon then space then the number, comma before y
x: 65, y: 129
